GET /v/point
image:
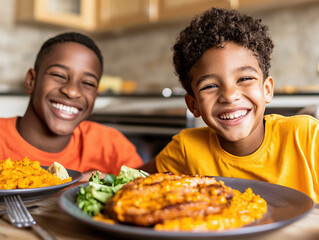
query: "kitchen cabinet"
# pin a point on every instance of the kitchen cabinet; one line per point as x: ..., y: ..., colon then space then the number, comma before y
x: 175, y: 9
x: 258, y: 5
x: 106, y: 15
x: 171, y: 10
x: 92, y: 15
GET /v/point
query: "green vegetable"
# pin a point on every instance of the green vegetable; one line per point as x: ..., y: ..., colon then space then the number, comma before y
x: 91, y: 199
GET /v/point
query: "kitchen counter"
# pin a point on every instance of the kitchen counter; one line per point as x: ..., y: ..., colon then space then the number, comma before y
x: 15, y: 103
x: 294, y: 100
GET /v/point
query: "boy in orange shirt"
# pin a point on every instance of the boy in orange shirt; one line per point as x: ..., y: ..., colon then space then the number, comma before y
x: 63, y: 87
x: 222, y: 59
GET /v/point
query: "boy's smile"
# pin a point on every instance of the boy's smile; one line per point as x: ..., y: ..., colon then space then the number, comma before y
x: 65, y: 87
x: 65, y: 111
x: 230, y: 95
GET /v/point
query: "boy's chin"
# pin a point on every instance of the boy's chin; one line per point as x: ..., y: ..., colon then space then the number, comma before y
x: 62, y: 131
x: 62, y: 127
x: 233, y: 137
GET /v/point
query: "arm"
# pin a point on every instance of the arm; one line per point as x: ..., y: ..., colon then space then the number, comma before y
x: 149, y: 167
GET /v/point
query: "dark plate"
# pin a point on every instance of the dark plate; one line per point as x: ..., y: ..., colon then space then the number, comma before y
x: 31, y: 194
x: 285, y: 205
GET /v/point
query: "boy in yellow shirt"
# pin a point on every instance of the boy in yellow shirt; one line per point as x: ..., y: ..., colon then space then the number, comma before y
x: 222, y: 59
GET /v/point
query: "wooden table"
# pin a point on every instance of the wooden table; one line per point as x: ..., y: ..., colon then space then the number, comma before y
x: 64, y: 227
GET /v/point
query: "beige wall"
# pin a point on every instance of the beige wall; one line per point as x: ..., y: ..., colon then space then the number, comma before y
x: 144, y: 55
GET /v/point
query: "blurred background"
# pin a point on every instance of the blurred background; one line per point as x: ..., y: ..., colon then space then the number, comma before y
x: 140, y: 94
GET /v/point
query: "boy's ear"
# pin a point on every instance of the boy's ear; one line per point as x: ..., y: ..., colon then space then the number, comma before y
x: 192, y: 104
x: 269, y: 89
x: 29, y: 81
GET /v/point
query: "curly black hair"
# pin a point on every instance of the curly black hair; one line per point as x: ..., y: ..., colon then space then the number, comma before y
x: 67, y: 37
x: 214, y: 28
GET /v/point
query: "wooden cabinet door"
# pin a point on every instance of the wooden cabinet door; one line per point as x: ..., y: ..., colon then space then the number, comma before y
x: 70, y: 13
x: 104, y: 15
x: 261, y: 5
x: 122, y: 13
x: 92, y: 15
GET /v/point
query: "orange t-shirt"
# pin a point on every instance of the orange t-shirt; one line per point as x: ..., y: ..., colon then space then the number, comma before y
x: 92, y: 146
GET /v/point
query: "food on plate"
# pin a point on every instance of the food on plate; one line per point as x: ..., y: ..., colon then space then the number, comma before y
x: 58, y: 170
x: 92, y: 198
x: 245, y: 208
x: 161, y: 196
x: 174, y: 202
x: 24, y: 173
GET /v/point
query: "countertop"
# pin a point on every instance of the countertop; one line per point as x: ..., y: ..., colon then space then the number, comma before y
x: 15, y: 103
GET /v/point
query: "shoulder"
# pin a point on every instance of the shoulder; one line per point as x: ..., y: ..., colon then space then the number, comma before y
x: 8, y: 120
x: 279, y: 119
x: 195, y: 134
x: 195, y: 131
x: 292, y: 122
x: 8, y: 123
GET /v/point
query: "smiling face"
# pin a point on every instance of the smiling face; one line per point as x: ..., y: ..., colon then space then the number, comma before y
x: 64, y: 89
x: 230, y: 94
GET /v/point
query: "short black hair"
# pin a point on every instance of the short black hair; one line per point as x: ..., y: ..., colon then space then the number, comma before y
x: 67, y: 37
x: 214, y: 28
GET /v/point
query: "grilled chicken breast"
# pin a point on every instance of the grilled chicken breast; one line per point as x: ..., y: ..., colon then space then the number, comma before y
x: 164, y: 196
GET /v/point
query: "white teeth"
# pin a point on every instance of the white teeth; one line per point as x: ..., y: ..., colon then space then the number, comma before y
x: 233, y: 115
x: 64, y: 108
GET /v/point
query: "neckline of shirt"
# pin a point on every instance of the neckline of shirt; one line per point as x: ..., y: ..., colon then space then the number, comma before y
x: 254, y: 158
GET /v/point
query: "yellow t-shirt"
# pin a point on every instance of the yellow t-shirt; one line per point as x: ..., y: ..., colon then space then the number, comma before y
x: 288, y: 156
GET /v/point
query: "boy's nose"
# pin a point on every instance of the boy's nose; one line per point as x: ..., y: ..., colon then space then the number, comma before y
x: 229, y: 94
x: 71, y: 90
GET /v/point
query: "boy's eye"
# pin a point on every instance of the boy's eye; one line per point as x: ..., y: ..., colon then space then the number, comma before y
x: 208, y: 87
x: 57, y: 75
x: 90, y: 84
x: 245, y: 79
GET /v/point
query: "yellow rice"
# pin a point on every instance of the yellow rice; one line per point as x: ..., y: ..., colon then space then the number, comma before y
x: 26, y: 174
